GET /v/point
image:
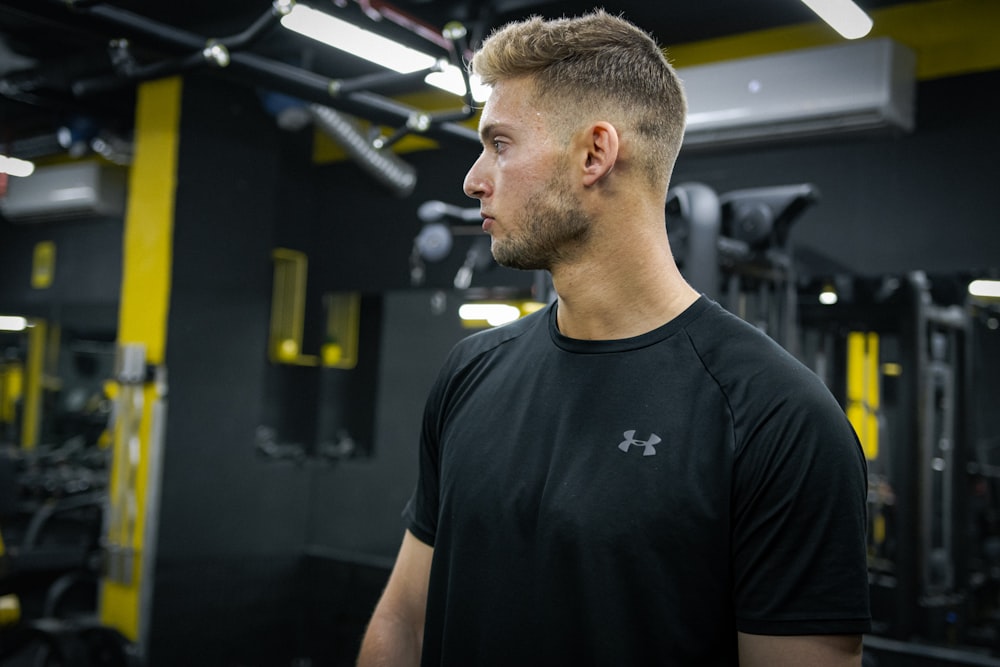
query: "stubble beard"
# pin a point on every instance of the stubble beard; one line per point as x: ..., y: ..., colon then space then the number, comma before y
x: 550, y: 228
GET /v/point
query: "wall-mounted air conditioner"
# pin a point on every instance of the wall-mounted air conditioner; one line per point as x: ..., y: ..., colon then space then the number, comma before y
x: 862, y: 85
x: 66, y: 191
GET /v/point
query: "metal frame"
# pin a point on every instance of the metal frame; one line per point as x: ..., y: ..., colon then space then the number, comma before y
x: 227, y: 56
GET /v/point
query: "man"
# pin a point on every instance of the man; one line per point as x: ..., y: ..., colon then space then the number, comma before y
x: 632, y: 476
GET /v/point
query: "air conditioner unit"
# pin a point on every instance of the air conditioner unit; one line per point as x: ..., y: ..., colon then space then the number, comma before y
x: 863, y: 85
x: 66, y: 191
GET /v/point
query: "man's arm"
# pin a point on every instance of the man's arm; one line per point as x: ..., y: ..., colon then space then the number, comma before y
x: 396, y: 631
x: 794, y: 651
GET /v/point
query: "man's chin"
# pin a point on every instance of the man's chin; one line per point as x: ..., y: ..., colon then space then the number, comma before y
x: 511, y: 258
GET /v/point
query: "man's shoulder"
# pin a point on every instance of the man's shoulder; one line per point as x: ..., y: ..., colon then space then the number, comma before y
x: 737, y: 353
x: 717, y: 331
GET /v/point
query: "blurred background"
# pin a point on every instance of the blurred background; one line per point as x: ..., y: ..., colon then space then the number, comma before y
x: 233, y: 256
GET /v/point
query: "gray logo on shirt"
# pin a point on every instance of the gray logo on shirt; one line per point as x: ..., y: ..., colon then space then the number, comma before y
x: 649, y: 446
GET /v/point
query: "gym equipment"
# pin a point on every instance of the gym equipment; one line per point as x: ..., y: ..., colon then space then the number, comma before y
x: 436, y: 240
x: 735, y: 249
x: 909, y: 360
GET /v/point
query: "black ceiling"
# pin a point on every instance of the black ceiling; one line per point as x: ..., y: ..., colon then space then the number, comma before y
x: 48, y: 47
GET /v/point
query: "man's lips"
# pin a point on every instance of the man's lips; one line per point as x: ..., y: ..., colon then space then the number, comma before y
x: 487, y: 221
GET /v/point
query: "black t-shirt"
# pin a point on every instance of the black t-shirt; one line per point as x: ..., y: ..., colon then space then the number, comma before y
x: 635, y: 502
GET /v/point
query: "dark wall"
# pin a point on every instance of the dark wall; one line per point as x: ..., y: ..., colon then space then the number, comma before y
x: 230, y: 163
x: 356, y: 505
x: 232, y: 525
x: 86, y: 283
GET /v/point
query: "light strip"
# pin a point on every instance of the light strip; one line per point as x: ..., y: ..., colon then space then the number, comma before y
x: 495, y: 314
x: 16, y: 167
x: 452, y: 81
x: 13, y: 323
x: 362, y: 43
x: 843, y: 16
x: 985, y: 288
x: 376, y: 49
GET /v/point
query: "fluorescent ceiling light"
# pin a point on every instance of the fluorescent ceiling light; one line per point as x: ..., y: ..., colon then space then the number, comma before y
x: 13, y: 323
x: 15, y: 166
x: 985, y: 288
x: 843, y: 16
x: 495, y: 314
x: 451, y: 80
x: 375, y: 48
x: 362, y: 43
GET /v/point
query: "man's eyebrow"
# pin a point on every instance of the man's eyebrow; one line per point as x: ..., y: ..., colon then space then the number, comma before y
x: 488, y: 130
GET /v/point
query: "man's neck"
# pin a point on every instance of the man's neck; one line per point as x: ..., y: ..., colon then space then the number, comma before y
x: 620, y: 291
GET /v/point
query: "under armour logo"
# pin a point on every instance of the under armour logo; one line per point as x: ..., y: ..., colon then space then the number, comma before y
x: 649, y: 446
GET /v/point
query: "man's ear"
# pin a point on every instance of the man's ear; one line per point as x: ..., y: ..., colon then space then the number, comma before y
x: 602, y: 152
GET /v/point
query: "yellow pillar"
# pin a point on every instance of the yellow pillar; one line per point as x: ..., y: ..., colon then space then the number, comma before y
x: 142, y: 331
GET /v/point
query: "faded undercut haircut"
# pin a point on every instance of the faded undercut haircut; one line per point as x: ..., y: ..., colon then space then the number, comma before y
x: 595, y: 64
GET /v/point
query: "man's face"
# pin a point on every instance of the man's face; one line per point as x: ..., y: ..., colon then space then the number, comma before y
x: 524, y: 180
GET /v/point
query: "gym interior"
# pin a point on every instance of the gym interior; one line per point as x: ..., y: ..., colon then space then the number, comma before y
x: 242, y: 258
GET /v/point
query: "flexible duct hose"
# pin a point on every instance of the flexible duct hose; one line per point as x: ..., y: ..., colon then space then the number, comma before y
x: 385, y: 166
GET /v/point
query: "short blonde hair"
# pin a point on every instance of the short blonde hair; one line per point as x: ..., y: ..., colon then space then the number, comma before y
x: 595, y: 64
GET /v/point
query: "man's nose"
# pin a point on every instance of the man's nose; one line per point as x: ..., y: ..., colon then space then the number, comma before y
x: 475, y: 185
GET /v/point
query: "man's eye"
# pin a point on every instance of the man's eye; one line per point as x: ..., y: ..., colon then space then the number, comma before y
x: 498, y: 146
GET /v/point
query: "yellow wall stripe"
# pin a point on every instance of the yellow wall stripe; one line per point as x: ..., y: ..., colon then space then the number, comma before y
x: 11, y: 390
x: 949, y: 37
x: 143, y: 311
x: 34, y: 385
x: 149, y: 219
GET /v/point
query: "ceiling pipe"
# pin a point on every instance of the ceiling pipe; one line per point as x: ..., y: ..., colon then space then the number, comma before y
x: 352, y: 96
x: 309, y: 86
x: 313, y: 87
x: 258, y: 28
x: 135, y: 73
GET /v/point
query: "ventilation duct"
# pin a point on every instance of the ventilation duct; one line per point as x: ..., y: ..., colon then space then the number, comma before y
x: 66, y: 191
x: 865, y: 85
x: 383, y: 165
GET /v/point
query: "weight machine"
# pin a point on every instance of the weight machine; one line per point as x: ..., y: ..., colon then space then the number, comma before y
x: 734, y: 248
x: 902, y: 357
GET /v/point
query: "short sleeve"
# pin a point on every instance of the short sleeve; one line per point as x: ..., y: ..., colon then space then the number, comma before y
x: 799, y: 520
x: 421, y: 511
